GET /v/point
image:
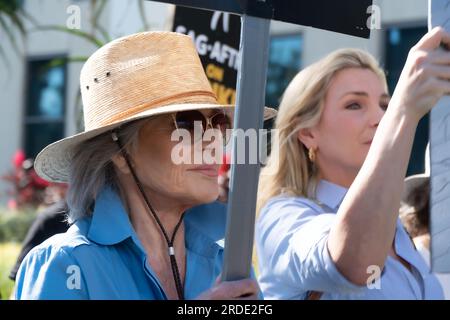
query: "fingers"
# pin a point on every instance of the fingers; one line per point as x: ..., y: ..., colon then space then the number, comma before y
x: 434, y: 69
x: 224, y: 186
x: 426, y: 75
x: 237, y: 289
x: 433, y: 39
x: 252, y: 297
x: 440, y: 72
x: 439, y: 87
x: 240, y: 289
x: 439, y: 57
x: 218, y: 280
x: 223, y: 195
x: 223, y: 180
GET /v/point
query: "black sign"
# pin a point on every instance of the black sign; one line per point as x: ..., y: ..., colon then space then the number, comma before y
x: 216, y: 35
x: 344, y: 16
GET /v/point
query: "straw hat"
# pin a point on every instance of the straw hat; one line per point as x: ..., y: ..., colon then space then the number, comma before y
x: 130, y: 78
x: 414, y: 181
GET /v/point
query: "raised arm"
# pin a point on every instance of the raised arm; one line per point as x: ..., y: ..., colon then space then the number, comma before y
x: 366, y: 220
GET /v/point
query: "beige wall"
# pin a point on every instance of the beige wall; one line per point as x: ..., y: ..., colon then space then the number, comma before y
x: 11, y: 97
x: 12, y: 84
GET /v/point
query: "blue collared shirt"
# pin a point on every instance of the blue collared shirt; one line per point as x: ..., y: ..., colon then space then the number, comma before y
x: 101, y: 257
x: 291, y: 239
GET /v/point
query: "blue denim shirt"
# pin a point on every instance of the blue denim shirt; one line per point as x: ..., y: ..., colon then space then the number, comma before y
x: 291, y: 238
x: 101, y: 257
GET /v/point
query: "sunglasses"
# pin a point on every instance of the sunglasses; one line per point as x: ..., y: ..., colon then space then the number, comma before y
x: 189, y: 120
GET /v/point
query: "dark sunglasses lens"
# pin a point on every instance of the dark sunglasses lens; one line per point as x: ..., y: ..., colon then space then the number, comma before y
x: 221, y: 121
x: 189, y: 119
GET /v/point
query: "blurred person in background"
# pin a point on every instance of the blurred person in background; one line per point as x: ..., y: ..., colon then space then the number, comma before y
x: 415, y: 216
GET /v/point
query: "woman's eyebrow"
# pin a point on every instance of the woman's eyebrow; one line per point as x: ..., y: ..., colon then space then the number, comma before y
x: 356, y: 93
x: 364, y: 94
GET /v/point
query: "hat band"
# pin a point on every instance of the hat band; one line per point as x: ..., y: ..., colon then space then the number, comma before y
x: 184, y: 97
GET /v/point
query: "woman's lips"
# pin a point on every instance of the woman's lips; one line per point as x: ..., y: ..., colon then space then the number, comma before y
x: 210, y: 171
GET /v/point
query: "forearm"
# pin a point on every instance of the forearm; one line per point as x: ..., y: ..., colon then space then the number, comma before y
x: 366, y: 219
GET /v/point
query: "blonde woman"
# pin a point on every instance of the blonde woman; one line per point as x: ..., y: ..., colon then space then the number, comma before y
x: 328, y: 222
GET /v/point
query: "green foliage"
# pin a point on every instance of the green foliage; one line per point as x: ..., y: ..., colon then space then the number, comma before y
x: 82, y: 34
x: 11, y: 18
x: 8, y: 255
x: 14, y: 225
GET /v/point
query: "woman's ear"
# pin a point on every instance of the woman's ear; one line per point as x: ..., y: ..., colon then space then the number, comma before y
x: 308, y: 137
x: 120, y: 164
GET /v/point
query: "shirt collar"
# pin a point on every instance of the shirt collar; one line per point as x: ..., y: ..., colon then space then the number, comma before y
x: 205, y: 228
x: 404, y: 246
x: 110, y: 222
x: 201, y: 243
x: 330, y: 194
x: 111, y: 225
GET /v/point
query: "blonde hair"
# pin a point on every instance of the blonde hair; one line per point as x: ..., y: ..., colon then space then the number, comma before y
x: 301, y: 107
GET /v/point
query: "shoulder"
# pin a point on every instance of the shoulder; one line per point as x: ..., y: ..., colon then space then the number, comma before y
x: 286, y: 219
x: 284, y: 200
x: 284, y: 207
x: 68, y: 241
x: 45, y: 271
x: 61, y: 248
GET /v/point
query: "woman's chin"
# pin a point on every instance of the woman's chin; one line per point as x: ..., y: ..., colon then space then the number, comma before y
x: 210, y: 197
x: 203, y: 194
x: 201, y: 189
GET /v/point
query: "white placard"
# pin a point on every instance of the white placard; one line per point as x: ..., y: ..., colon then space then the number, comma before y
x: 439, y: 15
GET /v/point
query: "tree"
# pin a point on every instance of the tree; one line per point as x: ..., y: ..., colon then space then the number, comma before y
x: 12, y: 18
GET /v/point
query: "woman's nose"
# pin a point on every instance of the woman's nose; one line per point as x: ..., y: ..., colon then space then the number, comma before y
x: 376, y: 115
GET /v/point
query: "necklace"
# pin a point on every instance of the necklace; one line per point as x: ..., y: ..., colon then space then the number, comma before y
x: 169, y: 241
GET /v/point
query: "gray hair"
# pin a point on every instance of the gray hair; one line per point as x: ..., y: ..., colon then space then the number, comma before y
x: 92, y: 169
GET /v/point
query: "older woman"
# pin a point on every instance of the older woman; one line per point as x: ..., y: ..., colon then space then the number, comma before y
x: 328, y: 218
x: 130, y: 237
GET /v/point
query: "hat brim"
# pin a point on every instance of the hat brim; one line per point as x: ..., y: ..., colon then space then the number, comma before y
x: 411, y: 183
x: 53, y: 162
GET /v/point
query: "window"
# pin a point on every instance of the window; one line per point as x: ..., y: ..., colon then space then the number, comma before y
x: 284, y: 63
x: 45, y: 104
x: 398, y: 43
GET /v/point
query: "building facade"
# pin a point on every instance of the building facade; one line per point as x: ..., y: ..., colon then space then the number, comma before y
x: 39, y: 92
